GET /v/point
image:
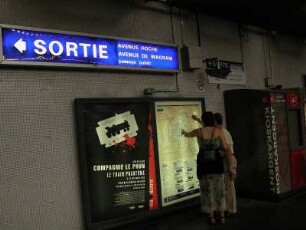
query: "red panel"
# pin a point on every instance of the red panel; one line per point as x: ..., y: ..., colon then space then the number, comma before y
x: 152, y: 170
x: 293, y: 100
x: 298, y: 168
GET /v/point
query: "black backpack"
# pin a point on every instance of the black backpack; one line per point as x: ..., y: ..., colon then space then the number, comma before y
x: 208, y: 154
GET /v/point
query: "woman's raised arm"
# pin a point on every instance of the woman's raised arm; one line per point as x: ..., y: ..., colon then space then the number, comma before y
x: 192, y: 133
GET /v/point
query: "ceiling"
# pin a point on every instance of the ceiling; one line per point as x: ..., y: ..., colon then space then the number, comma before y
x: 287, y: 16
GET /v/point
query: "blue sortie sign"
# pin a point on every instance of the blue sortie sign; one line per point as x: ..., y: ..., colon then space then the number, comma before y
x: 35, y: 46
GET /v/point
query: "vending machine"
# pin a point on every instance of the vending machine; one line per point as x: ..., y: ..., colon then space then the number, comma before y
x: 268, y: 129
x: 296, y: 100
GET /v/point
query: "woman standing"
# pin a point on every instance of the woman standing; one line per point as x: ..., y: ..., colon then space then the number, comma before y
x: 211, y: 175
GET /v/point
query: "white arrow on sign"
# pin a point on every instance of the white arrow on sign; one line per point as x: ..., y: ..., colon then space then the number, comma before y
x: 20, y: 45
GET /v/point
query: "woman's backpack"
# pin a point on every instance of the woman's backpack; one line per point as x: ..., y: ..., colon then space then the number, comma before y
x: 208, y: 153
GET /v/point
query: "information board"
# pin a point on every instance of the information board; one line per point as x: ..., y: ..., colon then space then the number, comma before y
x: 177, y: 154
x: 28, y: 46
x: 236, y: 76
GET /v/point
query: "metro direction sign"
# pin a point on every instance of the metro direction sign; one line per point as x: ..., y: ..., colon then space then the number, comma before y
x: 23, y: 46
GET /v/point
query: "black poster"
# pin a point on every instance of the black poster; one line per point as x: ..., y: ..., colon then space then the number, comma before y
x: 116, y: 143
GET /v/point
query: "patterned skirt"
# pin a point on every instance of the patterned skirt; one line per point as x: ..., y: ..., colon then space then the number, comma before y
x: 212, y: 193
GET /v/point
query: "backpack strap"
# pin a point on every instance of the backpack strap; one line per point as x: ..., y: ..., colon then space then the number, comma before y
x: 201, y: 136
x: 212, y: 134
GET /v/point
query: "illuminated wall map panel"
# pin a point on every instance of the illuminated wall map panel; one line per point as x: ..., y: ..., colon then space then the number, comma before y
x: 177, y: 154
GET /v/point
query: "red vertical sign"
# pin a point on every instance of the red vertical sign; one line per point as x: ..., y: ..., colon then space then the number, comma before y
x: 153, y: 201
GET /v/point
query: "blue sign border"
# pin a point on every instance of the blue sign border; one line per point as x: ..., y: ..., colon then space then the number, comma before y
x: 38, y: 47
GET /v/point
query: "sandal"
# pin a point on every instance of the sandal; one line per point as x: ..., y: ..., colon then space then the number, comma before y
x: 230, y: 214
x: 222, y: 219
x: 211, y: 220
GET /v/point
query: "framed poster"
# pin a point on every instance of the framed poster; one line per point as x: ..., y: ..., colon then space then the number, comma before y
x: 114, y: 139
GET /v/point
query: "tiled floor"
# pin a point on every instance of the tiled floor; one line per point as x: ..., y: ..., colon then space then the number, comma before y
x: 288, y: 214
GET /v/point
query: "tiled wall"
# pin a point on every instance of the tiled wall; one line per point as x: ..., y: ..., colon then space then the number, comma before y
x: 39, y: 183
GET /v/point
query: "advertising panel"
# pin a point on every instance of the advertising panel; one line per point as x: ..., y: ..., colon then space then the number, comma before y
x: 37, y: 47
x: 119, y: 143
x: 277, y: 146
x: 116, y: 158
x: 176, y: 154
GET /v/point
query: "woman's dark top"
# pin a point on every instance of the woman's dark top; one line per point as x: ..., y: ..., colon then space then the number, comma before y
x: 211, y: 167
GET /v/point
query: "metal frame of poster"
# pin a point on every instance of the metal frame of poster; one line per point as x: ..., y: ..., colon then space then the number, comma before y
x: 118, y: 149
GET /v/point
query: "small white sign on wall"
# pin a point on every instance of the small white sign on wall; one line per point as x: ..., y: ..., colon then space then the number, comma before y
x: 235, y: 77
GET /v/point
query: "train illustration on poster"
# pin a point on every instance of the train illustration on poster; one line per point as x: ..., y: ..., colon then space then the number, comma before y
x: 116, y: 129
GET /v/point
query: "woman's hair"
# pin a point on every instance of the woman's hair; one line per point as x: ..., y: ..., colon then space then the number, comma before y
x: 218, y: 118
x: 208, y: 118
